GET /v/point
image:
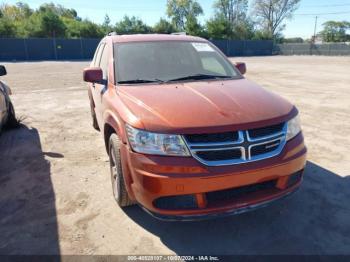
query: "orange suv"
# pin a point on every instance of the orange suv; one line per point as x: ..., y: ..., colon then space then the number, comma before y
x: 187, y: 135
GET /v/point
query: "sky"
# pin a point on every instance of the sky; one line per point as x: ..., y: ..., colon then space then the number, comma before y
x: 301, y: 25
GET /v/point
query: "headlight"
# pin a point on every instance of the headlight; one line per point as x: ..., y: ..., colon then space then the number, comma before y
x: 293, y: 127
x: 156, y: 144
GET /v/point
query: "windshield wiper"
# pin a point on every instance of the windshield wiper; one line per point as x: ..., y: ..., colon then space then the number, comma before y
x: 140, y: 81
x: 199, y: 77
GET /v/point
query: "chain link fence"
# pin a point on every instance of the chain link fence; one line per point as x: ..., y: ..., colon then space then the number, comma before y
x: 328, y: 49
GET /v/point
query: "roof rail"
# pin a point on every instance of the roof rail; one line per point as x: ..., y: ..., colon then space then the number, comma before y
x: 112, y: 33
x: 179, y: 33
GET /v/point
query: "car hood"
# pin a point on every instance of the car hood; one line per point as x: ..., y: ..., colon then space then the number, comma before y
x: 210, y: 106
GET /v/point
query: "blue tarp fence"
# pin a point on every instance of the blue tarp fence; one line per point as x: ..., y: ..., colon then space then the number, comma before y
x: 34, y: 49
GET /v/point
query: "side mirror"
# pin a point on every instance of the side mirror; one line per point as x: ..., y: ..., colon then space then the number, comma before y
x: 2, y: 70
x: 93, y: 75
x: 242, y: 68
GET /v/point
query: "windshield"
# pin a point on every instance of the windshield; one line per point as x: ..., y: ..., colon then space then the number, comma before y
x: 147, y: 62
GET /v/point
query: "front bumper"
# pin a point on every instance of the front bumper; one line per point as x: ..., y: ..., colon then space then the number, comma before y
x: 150, y: 178
x: 234, y: 211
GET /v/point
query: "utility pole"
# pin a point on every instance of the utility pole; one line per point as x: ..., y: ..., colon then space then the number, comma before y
x: 315, y: 29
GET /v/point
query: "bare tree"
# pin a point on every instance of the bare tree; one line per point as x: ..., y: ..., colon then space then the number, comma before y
x: 273, y: 13
x: 231, y: 10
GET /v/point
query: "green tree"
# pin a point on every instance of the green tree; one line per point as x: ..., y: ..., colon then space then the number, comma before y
x: 15, y: 18
x: 52, y: 25
x: 82, y: 29
x: 163, y: 27
x: 293, y: 40
x: 44, y: 24
x: 335, y: 31
x: 230, y: 20
x: 272, y: 14
x: 59, y: 10
x: 261, y: 35
x: 89, y: 29
x: 132, y: 25
x: 32, y: 26
x: 243, y: 30
x: 24, y: 10
x: 219, y: 28
x: 49, y: 20
x: 181, y: 11
x: 73, y: 27
x: 192, y: 26
x: 7, y: 27
x: 17, y: 12
x: 106, y: 26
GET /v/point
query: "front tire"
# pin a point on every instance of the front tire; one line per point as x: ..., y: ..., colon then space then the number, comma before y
x: 118, y: 184
x: 12, y: 122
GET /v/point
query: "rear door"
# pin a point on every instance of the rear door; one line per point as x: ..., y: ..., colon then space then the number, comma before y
x: 94, y: 86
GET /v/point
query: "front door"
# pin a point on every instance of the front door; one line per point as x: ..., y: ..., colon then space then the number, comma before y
x: 100, y: 88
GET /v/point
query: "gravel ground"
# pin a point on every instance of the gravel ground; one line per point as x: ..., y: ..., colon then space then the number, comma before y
x: 55, y: 187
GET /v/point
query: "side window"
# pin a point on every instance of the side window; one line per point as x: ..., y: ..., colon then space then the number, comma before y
x: 98, y: 55
x: 212, y: 65
x: 104, y: 62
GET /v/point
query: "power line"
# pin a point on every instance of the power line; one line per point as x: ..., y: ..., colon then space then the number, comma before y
x: 334, y: 13
x: 327, y: 5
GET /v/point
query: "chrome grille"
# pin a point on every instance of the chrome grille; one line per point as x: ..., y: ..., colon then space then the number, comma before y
x: 265, y: 131
x: 237, y: 147
x: 216, y: 137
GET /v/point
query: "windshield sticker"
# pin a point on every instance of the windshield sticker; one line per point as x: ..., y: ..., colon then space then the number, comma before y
x: 203, y: 47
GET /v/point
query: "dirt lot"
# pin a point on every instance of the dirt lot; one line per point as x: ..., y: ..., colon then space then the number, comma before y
x: 55, y: 186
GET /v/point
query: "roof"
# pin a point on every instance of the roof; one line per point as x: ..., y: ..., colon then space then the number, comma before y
x: 155, y: 37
